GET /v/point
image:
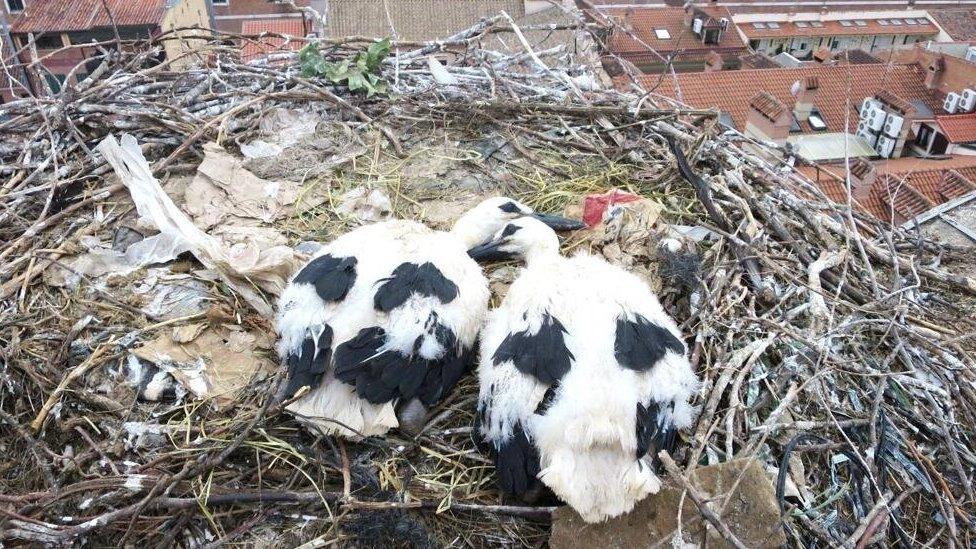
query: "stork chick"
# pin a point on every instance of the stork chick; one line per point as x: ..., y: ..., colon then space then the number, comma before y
x: 583, y: 377
x: 383, y: 320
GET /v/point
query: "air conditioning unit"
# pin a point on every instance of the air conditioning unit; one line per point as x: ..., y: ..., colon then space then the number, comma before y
x: 697, y: 26
x: 866, y: 106
x: 864, y: 133
x: 967, y: 101
x: 951, y: 102
x: 892, y: 125
x: 971, y: 54
x: 885, y: 146
x: 875, y: 118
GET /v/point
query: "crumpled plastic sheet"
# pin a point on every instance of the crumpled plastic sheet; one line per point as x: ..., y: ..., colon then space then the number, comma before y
x: 239, y: 266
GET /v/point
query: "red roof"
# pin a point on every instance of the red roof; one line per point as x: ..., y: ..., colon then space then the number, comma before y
x: 805, y: 28
x: 898, y: 196
x: 643, y: 22
x: 958, y: 128
x: 731, y: 91
x: 292, y: 27
x: 76, y: 15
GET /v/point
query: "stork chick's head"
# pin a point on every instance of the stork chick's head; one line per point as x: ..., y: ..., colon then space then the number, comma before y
x: 479, y: 224
x: 526, y: 238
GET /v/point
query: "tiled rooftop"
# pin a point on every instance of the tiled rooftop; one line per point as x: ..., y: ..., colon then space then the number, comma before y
x: 767, y: 105
x: 905, y: 187
x: 960, y: 23
x: 290, y: 26
x: 844, y: 27
x: 958, y: 128
x: 731, y: 91
x: 645, y: 22
x: 76, y: 15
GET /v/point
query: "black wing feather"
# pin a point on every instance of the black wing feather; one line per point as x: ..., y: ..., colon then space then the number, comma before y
x: 543, y: 355
x: 382, y: 376
x: 409, y: 279
x: 307, y: 364
x: 516, y: 462
x: 655, y: 431
x: 331, y: 276
x: 640, y: 343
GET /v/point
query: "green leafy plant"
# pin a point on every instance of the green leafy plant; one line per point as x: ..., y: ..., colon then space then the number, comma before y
x: 358, y: 73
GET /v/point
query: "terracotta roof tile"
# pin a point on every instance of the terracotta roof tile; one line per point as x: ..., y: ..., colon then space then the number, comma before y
x: 836, y: 28
x: 893, y: 100
x: 958, y: 128
x: 900, y: 195
x: 76, y: 15
x: 954, y: 185
x: 767, y: 105
x: 758, y: 61
x: 730, y: 91
x: 288, y: 26
x: 960, y: 23
x: 643, y: 22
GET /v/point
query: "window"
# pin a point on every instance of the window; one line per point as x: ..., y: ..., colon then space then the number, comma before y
x: 816, y: 122
x: 759, y: 25
x: 924, y: 136
x: 817, y: 24
x: 772, y: 25
x: 48, y: 41
x: 896, y: 22
x: 883, y: 22
x: 662, y: 34
x: 802, y: 24
x: 220, y: 2
x: 846, y: 24
x: 14, y: 6
x: 861, y: 23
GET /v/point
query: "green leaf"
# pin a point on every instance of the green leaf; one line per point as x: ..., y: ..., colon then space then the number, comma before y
x: 356, y: 81
x: 376, y: 53
x: 308, y: 52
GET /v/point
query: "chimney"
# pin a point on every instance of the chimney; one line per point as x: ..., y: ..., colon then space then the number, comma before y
x: 934, y: 72
x: 863, y: 176
x: 768, y: 119
x: 806, y: 96
x: 713, y: 61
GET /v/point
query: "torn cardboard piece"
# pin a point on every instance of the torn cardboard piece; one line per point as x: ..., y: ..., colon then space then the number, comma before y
x: 240, y: 266
x: 224, y: 191
x: 214, y: 363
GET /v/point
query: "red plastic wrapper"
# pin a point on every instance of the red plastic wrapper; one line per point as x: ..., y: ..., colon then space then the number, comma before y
x: 596, y: 205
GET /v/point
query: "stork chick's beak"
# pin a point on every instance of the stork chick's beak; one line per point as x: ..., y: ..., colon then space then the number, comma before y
x: 490, y: 251
x: 559, y: 223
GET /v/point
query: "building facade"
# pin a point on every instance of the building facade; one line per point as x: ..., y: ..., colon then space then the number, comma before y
x: 63, y: 35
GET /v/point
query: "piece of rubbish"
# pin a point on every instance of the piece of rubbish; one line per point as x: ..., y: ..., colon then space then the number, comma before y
x: 365, y: 205
x: 241, y: 266
x: 595, y: 206
x: 216, y: 363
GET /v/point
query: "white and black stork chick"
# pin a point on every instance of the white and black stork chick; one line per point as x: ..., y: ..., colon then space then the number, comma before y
x: 583, y: 377
x: 383, y: 321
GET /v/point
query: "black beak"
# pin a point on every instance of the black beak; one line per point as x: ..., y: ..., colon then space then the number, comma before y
x: 490, y: 252
x: 558, y: 223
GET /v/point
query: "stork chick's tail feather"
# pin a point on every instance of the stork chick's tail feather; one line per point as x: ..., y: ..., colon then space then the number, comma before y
x: 599, y: 483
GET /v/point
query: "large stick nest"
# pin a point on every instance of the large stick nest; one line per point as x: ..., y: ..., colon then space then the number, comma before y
x: 833, y: 349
